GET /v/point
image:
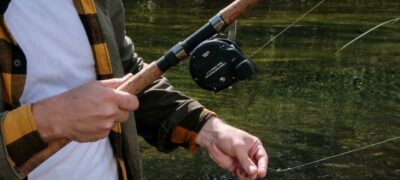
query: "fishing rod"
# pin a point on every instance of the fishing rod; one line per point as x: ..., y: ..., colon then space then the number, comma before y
x: 287, y: 28
x: 215, y: 65
x: 366, y: 32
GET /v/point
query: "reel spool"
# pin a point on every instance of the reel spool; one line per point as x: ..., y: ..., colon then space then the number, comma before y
x: 218, y: 63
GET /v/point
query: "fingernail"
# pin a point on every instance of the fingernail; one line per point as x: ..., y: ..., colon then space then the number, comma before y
x: 252, y: 169
x: 127, y: 76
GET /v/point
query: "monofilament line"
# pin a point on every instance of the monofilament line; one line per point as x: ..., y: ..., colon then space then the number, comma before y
x: 284, y: 30
x: 334, y: 156
x: 363, y: 34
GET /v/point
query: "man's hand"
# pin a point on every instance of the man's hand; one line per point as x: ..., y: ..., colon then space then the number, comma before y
x: 86, y: 113
x: 234, y: 149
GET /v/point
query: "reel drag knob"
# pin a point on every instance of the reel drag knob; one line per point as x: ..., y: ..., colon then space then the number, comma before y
x: 218, y: 63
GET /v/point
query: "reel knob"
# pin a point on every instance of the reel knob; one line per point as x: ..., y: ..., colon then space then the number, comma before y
x: 218, y: 63
x: 244, y: 70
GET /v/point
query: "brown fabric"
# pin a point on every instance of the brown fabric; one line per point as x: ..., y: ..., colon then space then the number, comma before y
x: 24, y: 148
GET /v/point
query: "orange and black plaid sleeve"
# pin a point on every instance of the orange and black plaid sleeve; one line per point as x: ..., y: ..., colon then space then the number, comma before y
x: 20, y: 135
x: 186, y: 131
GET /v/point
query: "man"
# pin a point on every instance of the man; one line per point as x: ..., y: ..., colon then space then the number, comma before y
x: 57, y: 58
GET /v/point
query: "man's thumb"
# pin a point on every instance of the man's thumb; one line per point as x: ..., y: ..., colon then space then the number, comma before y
x: 245, y: 161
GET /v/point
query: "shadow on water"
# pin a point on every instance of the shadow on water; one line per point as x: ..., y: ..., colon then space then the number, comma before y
x: 305, y: 102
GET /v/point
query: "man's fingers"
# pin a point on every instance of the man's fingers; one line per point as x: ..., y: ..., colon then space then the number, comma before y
x: 262, y: 167
x: 122, y: 116
x: 126, y: 101
x: 221, y: 158
x: 244, y: 160
x: 260, y: 157
x: 262, y: 161
x: 241, y: 175
x: 115, y: 82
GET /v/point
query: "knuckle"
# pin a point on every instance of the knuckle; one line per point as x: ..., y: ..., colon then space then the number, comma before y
x: 135, y: 102
x: 108, y: 93
x: 109, y: 125
x: 114, y: 81
x: 106, y: 126
x: 130, y: 101
x: 230, y: 167
x: 103, y: 134
x: 110, y: 112
x: 238, y: 144
x: 124, y: 116
x: 257, y: 141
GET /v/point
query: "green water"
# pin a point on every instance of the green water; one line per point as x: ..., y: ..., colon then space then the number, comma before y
x: 305, y: 102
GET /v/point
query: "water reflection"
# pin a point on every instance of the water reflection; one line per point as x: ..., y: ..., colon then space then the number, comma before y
x: 305, y: 102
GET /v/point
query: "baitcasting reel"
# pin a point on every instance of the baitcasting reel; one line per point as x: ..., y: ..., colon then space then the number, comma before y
x: 218, y: 63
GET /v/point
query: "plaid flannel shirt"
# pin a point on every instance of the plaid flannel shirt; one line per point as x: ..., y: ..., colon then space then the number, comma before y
x: 19, y: 130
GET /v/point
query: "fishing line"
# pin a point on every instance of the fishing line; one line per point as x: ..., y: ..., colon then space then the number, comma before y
x: 334, y: 156
x: 284, y: 30
x: 343, y: 153
x: 365, y: 33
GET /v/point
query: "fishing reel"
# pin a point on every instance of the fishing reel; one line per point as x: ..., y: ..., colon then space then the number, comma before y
x: 216, y: 64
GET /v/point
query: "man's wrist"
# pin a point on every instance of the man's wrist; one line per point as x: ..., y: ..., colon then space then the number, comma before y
x: 40, y: 114
x: 209, y: 131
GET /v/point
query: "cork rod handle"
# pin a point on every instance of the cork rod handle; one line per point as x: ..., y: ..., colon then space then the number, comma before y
x: 142, y: 79
x: 134, y: 85
x: 236, y: 9
x: 40, y: 157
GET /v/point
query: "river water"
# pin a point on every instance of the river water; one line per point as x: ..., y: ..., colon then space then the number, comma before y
x: 306, y: 101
